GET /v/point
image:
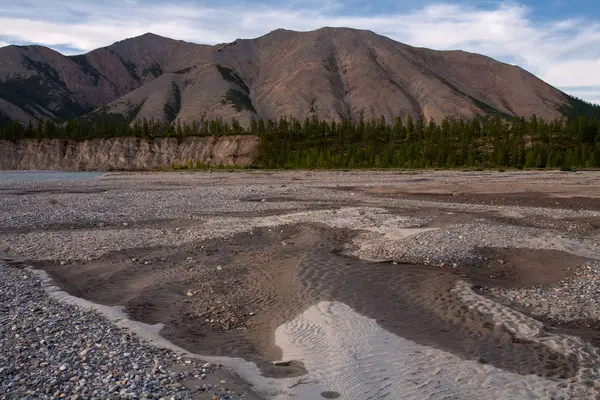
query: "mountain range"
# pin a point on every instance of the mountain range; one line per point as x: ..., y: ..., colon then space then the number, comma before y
x: 329, y: 73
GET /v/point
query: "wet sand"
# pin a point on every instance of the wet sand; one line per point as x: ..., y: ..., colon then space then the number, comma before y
x: 240, y: 282
x: 231, y: 296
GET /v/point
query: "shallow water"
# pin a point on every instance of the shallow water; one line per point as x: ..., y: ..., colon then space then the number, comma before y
x: 29, y: 176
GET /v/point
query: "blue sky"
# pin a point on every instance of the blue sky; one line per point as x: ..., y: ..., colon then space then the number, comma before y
x: 558, y: 40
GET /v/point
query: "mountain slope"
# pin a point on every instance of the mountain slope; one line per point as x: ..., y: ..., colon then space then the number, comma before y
x: 343, y: 73
x: 42, y: 83
x: 330, y: 73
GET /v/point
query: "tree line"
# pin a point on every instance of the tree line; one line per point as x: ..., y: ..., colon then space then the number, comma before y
x: 410, y: 143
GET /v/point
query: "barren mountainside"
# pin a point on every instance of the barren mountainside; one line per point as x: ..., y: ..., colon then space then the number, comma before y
x: 330, y: 73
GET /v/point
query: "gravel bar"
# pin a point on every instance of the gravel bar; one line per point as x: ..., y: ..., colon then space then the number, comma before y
x: 574, y: 300
x: 443, y: 219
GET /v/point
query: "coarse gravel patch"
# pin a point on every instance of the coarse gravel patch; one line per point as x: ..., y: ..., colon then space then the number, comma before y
x: 77, y: 223
x: 54, y: 350
x: 454, y: 244
x: 575, y: 299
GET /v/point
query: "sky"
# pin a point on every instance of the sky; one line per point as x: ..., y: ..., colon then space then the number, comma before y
x: 557, y: 40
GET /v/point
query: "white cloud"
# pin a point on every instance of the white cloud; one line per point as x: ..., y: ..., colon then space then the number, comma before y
x: 565, y: 53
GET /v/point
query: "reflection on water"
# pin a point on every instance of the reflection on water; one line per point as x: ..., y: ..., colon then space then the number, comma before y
x: 25, y: 176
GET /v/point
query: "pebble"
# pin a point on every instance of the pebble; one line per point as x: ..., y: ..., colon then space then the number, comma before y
x: 572, y: 301
x: 129, y: 199
x: 67, y: 360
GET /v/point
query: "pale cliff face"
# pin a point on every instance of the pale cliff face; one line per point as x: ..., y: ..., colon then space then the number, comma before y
x: 126, y: 153
x: 330, y: 73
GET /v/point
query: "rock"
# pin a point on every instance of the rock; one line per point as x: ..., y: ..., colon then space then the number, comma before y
x: 61, y: 360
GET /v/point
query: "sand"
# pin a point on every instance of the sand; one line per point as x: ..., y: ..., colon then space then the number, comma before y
x: 352, y: 356
x: 327, y: 292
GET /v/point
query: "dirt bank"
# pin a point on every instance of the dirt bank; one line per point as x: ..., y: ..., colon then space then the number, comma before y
x: 125, y: 153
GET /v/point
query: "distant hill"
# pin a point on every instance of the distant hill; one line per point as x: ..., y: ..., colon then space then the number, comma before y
x: 330, y: 73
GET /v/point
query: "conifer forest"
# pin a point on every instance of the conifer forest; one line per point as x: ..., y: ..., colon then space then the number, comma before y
x: 492, y: 142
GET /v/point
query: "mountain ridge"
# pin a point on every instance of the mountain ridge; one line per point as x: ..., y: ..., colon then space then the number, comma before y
x: 328, y: 73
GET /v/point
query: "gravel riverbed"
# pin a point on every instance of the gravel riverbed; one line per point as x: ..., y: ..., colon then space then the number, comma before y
x: 574, y: 300
x: 461, y: 222
x: 52, y: 351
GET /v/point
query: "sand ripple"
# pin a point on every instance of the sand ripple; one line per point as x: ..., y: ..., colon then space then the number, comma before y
x: 352, y: 355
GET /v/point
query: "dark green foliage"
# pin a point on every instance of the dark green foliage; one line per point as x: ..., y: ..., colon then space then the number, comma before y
x: 25, y: 92
x: 85, y: 66
x: 566, y: 168
x: 133, y: 111
x: 232, y: 77
x: 102, y: 124
x: 155, y: 70
x: 35, y: 95
x: 184, y: 70
x: 487, y: 108
x: 131, y: 67
x: 41, y: 93
x: 455, y: 143
x: 104, y: 117
x: 199, y: 165
x: 43, y: 69
x: 4, y: 119
x: 240, y: 101
x: 313, y: 107
x: 239, y: 98
x: 287, y: 143
x: 173, y: 106
x: 480, y: 104
x: 577, y: 108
